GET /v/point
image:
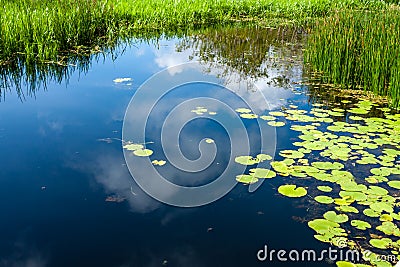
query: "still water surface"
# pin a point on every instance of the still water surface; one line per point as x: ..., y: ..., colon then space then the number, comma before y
x: 62, y: 158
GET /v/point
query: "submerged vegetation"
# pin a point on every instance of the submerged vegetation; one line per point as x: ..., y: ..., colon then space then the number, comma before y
x: 359, y: 49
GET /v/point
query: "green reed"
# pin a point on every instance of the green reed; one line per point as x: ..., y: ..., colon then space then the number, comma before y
x: 48, y: 30
x: 359, y: 49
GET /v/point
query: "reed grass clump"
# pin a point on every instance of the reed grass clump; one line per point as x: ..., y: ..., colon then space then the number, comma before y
x: 359, y: 49
x: 47, y: 30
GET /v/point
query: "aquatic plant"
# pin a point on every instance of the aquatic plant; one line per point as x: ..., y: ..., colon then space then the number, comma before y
x: 358, y: 49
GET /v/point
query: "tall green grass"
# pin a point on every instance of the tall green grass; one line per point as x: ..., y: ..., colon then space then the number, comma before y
x: 47, y: 30
x: 359, y: 49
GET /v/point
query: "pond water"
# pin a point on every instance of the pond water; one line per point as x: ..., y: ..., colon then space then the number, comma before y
x: 68, y: 196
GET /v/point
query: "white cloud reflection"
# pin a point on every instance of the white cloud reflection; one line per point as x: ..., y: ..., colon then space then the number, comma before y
x: 166, y: 56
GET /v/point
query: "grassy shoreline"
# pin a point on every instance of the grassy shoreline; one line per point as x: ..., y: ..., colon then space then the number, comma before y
x: 34, y: 34
x: 45, y: 31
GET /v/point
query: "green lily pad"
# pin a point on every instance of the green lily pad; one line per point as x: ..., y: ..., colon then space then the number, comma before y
x: 159, y: 162
x: 133, y: 147
x: 246, y: 179
x: 293, y: 154
x: 246, y: 160
x: 381, y: 206
x: 263, y: 157
x: 371, y: 213
x: 333, y: 217
x: 394, y: 184
x: 291, y: 190
x: 280, y: 166
x: 324, y: 188
x: 386, y: 218
x: 357, y: 196
x: 143, y: 152
x: 209, y: 141
x: 248, y: 116
x: 324, y: 199
x: 322, y: 226
x: 276, y: 123
x: 383, y: 243
x: 243, y: 110
x: 267, y: 118
x: 345, y: 264
x: 328, y: 165
x: 361, y: 225
x: 277, y: 113
x: 347, y: 209
x: 262, y: 173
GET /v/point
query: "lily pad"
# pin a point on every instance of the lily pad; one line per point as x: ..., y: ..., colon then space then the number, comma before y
x: 143, y: 152
x: 394, y: 184
x: 328, y: 165
x: 248, y: 116
x: 262, y: 173
x: 333, y: 217
x: 324, y: 188
x: 383, y: 243
x: 246, y: 179
x: 159, y: 162
x: 276, y: 123
x: 293, y: 154
x: 243, y: 110
x: 209, y: 141
x: 277, y: 113
x: 133, y: 147
x: 291, y: 190
x: 361, y: 225
x: 347, y: 209
x: 324, y: 199
x: 246, y: 160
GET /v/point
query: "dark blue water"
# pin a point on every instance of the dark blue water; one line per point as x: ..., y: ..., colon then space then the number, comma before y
x: 61, y: 157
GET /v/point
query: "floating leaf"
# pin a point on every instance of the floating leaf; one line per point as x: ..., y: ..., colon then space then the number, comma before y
x: 159, y: 162
x: 277, y: 113
x: 143, y: 152
x: 263, y: 157
x: 262, y: 173
x: 324, y: 188
x: 267, y: 118
x: 276, y: 123
x: 292, y: 191
x: 209, y: 141
x: 328, y: 165
x: 246, y: 160
x: 324, y: 199
x: 249, y: 116
x: 293, y: 154
x: 246, y: 179
x: 132, y: 147
x: 243, y: 110
x: 346, y: 209
x: 383, y: 243
x: 394, y: 184
x: 333, y: 217
x: 361, y: 225
x: 345, y: 264
x: 371, y: 213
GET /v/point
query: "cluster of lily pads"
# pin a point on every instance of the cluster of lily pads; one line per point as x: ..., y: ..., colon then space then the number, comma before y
x: 335, y: 148
x: 141, y: 151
